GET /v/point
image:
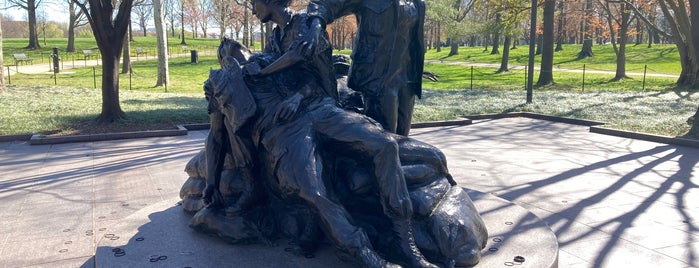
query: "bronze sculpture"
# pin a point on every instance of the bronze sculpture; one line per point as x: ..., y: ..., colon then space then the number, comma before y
x: 282, y: 159
x: 388, y: 54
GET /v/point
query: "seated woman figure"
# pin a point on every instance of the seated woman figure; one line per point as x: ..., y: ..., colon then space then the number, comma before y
x: 425, y: 176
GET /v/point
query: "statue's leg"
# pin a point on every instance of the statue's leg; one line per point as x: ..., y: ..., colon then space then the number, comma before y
x: 382, y: 106
x: 299, y: 172
x: 355, y: 136
x: 405, y: 103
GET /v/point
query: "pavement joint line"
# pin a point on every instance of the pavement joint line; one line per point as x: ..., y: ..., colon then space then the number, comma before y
x: 595, y: 127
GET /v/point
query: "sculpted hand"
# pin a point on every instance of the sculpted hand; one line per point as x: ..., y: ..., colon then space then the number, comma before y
x: 212, y: 197
x: 288, y: 108
x: 311, y: 41
x: 253, y: 69
x: 299, y: 50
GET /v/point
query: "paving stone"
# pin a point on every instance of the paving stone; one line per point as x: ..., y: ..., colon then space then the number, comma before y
x: 615, y: 188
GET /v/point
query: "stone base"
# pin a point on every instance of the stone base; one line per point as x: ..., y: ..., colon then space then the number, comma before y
x: 159, y: 236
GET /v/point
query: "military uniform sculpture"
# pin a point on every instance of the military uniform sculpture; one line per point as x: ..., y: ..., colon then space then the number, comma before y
x: 283, y: 159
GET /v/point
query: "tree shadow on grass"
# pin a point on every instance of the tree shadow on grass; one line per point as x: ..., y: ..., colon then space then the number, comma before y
x: 153, y: 114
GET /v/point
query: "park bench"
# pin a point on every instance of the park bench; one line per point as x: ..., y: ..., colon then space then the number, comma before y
x: 184, y: 48
x: 140, y: 50
x: 87, y: 53
x: 21, y: 57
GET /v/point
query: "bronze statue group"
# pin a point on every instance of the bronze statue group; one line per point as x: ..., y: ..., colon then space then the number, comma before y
x: 283, y: 158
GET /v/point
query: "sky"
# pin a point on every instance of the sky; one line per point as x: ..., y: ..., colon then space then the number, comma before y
x: 54, y: 12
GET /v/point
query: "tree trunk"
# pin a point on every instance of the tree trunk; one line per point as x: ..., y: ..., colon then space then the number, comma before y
x: 485, y: 43
x: 504, y: 62
x: 126, y: 54
x: 31, y: 17
x: 143, y: 26
x: 439, y: 34
x: 454, y: 48
x: 71, y: 36
x: 639, y: 31
x: 496, y: 35
x: 129, y: 33
x: 72, y: 17
x: 621, y: 53
x: 546, y: 73
x: 182, y: 22
x: 110, y: 33
x: 560, y: 36
x: 263, y: 36
x: 694, y: 21
x: 586, y: 50
x: 246, y: 28
x: 111, y: 108
x: 161, y: 36
x: 694, y: 131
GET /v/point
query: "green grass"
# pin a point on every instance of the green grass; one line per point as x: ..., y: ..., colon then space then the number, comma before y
x: 659, y: 58
x: 70, y: 110
x: 459, y: 77
x: 655, y: 112
x: 653, y: 106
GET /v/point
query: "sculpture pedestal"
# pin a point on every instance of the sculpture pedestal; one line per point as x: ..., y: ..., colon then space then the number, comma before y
x: 159, y: 236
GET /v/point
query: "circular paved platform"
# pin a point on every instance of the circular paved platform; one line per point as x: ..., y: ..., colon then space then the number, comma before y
x: 158, y: 236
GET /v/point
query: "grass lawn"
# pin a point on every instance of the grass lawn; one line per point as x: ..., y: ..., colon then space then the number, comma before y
x: 659, y: 58
x: 69, y: 110
x: 650, y: 106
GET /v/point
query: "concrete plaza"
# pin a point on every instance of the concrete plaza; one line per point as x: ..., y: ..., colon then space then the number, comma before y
x: 612, y: 202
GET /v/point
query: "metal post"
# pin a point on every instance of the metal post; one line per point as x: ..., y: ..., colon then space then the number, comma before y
x: 471, y: 77
x: 532, y: 43
x: 94, y: 77
x: 9, y: 77
x: 583, y: 83
x: 130, y: 74
x: 526, y: 78
x: 645, y: 69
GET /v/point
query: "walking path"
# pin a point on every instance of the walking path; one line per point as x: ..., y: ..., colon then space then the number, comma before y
x: 612, y: 202
x: 46, y: 67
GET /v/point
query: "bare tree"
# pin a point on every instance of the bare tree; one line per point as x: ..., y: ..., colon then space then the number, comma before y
x: 110, y: 31
x: 126, y: 53
x: 183, y: 3
x: 546, y: 73
x: 161, y: 36
x: 143, y: 9
x: 222, y: 11
x: 31, y: 7
x: 170, y: 8
x: 205, y: 12
x: 682, y: 31
x: 618, y: 14
x: 586, y: 50
x: 76, y: 18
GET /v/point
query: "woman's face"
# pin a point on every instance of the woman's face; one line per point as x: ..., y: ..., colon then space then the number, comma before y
x: 262, y: 10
